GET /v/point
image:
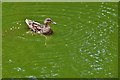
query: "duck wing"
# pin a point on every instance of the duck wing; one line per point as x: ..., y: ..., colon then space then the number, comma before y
x: 33, y: 25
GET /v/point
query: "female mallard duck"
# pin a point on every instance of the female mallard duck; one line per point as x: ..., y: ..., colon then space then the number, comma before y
x: 40, y: 28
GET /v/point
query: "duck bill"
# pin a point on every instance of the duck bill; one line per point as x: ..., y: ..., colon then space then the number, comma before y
x: 54, y: 23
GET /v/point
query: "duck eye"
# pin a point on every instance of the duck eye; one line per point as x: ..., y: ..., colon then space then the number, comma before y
x: 48, y: 20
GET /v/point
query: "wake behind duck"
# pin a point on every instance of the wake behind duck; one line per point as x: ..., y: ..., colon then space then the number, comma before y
x: 40, y: 28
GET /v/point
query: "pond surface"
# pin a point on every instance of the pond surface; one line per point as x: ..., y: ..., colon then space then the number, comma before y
x: 0, y: 40
x: 84, y: 43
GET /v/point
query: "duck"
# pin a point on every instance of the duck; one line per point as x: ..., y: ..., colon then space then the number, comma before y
x: 40, y: 28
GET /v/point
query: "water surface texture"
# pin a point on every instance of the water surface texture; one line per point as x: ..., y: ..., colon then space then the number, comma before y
x: 84, y: 43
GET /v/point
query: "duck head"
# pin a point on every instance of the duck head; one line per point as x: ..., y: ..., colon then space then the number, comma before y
x: 49, y: 21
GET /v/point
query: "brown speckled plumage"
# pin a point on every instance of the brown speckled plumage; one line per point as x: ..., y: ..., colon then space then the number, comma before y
x: 41, y: 28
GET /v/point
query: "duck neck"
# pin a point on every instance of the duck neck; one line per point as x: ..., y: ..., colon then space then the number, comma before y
x: 46, y: 24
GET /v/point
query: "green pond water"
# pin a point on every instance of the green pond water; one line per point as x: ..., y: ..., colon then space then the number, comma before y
x: 1, y: 40
x: 84, y: 43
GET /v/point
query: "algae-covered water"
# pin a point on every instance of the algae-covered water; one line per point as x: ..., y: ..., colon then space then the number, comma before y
x: 84, y: 43
x: 0, y: 40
